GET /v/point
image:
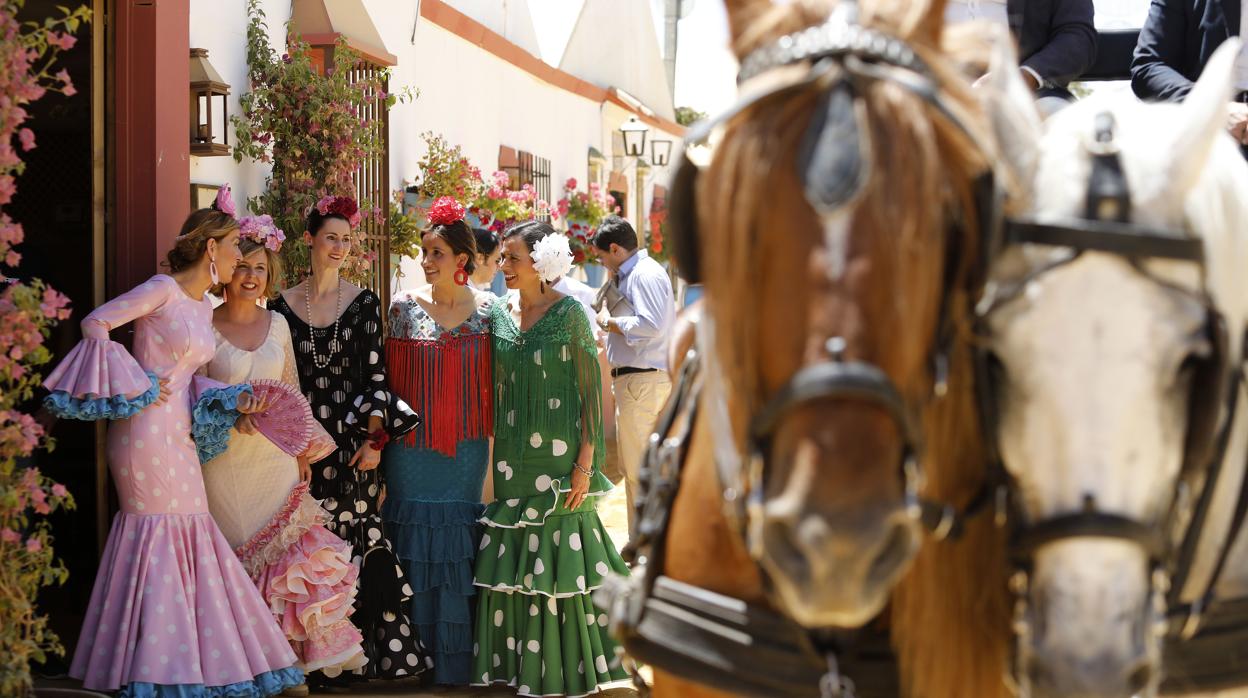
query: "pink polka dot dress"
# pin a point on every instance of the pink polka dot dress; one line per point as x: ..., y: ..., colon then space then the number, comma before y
x: 173, y: 612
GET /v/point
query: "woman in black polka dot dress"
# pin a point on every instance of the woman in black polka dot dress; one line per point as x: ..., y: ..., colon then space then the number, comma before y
x: 337, y: 334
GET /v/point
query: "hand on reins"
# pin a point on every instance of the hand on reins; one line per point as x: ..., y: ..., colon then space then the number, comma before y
x: 1237, y: 121
x: 366, y: 458
x: 580, y: 488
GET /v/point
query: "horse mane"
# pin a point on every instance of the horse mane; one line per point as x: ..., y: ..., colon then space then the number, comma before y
x: 950, y: 614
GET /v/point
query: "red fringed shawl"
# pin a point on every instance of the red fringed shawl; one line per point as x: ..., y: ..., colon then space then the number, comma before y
x: 448, y: 382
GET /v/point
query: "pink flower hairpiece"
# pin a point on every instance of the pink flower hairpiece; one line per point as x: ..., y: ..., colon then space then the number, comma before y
x: 445, y: 211
x: 225, y: 201
x: 263, y: 230
x: 343, y: 206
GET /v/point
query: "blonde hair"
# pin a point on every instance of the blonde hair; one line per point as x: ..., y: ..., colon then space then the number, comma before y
x: 272, y: 285
x: 192, y: 242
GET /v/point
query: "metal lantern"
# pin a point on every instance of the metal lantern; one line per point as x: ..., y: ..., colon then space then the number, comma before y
x: 660, y: 151
x: 209, y: 107
x: 634, y: 133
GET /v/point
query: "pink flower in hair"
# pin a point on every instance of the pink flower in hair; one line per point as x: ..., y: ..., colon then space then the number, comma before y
x: 225, y: 201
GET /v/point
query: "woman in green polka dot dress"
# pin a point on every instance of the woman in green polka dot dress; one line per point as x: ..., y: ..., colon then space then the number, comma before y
x: 544, y: 549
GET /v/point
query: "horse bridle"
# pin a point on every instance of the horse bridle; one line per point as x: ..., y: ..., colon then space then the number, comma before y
x: 655, y: 615
x: 844, y: 57
x: 1106, y: 228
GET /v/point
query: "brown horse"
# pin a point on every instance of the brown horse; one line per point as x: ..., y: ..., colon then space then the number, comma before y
x: 781, y: 281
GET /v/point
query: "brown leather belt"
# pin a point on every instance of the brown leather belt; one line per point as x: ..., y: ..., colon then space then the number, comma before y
x: 629, y: 370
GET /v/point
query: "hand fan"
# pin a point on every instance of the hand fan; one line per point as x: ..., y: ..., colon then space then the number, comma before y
x: 288, y: 422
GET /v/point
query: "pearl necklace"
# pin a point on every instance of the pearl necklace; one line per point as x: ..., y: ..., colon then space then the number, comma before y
x: 318, y: 360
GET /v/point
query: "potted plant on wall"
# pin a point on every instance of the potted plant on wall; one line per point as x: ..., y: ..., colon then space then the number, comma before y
x: 27, y: 312
x: 583, y: 211
x: 444, y: 171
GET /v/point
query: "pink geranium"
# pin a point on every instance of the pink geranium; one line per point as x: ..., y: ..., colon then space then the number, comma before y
x: 67, y: 85
x: 27, y: 138
x: 62, y: 41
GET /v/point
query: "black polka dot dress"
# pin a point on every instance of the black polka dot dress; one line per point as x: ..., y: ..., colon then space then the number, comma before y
x: 343, y: 395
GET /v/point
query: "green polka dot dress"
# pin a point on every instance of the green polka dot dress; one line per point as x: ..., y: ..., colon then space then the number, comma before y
x: 536, y: 628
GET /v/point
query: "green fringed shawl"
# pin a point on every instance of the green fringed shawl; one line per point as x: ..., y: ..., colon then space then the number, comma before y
x: 547, y: 381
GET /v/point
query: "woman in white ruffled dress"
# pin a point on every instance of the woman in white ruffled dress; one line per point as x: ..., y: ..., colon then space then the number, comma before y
x: 258, y: 494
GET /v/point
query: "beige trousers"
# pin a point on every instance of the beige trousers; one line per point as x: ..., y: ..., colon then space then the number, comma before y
x: 638, y: 399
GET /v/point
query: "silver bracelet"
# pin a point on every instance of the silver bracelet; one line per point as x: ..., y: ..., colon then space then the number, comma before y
x: 588, y: 472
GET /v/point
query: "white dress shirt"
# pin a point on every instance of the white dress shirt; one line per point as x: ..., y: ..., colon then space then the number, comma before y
x: 994, y: 11
x: 644, y: 283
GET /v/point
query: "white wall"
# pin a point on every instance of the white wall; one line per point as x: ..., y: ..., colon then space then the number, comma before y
x: 614, y: 44
x: 221, y: 27
x: 468, y: 95
x: 509, y: 18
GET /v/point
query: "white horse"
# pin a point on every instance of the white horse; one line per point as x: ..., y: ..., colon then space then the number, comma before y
x: 1093, y: 359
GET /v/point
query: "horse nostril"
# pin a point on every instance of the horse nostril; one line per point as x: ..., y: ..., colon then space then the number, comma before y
x: 1140, y: 678
x: 894, y: 553
x: 782, y: 547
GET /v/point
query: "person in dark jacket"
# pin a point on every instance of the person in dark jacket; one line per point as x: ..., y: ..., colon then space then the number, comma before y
x: 1177, y: 40
x: 1056, y: 40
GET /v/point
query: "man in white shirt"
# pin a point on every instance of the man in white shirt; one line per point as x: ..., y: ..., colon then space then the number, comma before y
x: 638, y: 320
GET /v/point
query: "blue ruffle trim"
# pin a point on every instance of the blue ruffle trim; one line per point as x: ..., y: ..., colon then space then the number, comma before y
x: 267, y: 684
x: 213, y: 418
x: 66, y: 406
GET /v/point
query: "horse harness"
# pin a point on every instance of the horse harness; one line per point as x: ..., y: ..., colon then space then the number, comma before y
x: 701, y: 635
x: 1106, y: 228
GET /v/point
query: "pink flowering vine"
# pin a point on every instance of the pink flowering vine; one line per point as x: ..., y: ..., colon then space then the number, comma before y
x: 28, y: 52
x: 307, y: 123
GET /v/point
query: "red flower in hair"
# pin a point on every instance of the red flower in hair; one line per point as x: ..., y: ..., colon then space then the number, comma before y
x: 445, y: 211
x: 343, y: 206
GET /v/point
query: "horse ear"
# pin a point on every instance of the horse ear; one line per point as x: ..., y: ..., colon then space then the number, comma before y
x: 1203, y: 117
x: 742, y: 14
x: 1011, y: 110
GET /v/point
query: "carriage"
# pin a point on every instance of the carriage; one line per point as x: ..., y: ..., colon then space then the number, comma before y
x: 961, y: 417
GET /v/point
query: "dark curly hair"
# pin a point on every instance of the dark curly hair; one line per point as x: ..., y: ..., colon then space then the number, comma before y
x: 458, y: 236
x: 192, y: 242
x: 316, y: 220
x: 531, y: 232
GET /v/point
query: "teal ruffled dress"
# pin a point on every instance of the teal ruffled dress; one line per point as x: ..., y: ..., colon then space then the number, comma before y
x: 434, y: 475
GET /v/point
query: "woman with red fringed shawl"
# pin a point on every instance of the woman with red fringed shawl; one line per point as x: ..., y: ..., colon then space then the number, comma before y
x: 438, y: 358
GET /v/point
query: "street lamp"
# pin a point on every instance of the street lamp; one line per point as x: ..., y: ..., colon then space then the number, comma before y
x: 209, y: 107
x: 634, y: 137
x: 660, y: 151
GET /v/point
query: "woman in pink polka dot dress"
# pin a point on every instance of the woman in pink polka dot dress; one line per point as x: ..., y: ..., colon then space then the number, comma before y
x: 173, y: 611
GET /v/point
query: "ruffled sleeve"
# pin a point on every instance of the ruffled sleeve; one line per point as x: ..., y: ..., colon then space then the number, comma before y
x: 376, y: 400
x: 213, y: 415
x: 99, y: 379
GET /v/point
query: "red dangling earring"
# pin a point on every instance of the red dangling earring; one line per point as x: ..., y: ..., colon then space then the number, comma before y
x: 461, y: 277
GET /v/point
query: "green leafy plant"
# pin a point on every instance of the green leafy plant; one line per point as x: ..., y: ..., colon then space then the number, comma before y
x: 405, y: 226
x: 445, y: 171
x: 309, y: 125
x: 28, y: 53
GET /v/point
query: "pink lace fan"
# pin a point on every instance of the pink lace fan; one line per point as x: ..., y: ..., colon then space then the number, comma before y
x: 288, y: 422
